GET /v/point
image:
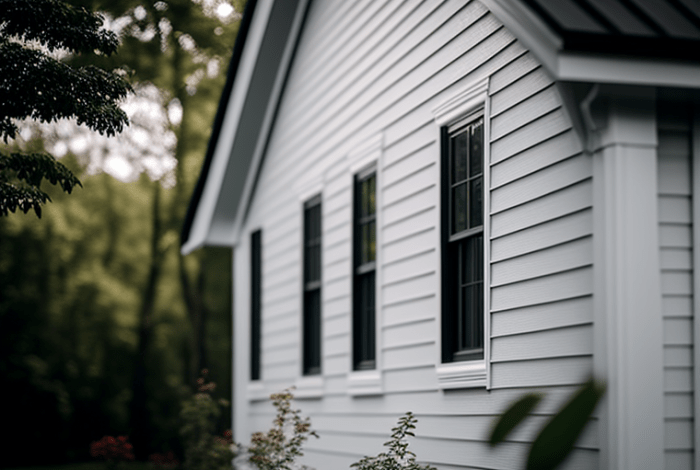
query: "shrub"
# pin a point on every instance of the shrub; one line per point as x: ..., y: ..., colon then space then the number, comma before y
x: 204, y: 449
x: 398, y: 457
x: 282, y: 444
x: 112, y: 450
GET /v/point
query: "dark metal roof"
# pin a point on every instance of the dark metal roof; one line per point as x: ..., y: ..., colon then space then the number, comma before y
x: 218, y: 120
x: 664, y: 29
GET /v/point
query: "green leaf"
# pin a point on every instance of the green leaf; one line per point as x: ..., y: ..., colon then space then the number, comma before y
x: 556, y: 440
x: 512, y: 417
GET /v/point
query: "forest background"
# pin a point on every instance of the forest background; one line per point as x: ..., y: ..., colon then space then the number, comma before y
x: 104, y: 326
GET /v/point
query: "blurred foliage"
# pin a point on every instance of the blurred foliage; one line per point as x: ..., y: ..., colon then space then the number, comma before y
x: 36, y: 84
x: 97, y: 306
x: 205, y: 448
x: 557, y: 438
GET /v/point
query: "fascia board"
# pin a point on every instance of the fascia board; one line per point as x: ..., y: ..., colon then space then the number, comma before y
x: 200, y: 233
x: 530, y: 30
x: 268, y: 122
x: 581, y: 67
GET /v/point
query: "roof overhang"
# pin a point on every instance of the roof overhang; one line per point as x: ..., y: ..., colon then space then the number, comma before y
x: 241, y: 130
x: 567, y: 65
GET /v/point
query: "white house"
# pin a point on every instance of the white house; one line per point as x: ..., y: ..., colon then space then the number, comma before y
x: 438, y: 205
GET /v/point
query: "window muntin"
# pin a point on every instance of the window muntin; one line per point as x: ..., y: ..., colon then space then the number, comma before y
x: 255, y: 303
x: 364, y: 284
x: 312, y: 287
x: 463, y: 240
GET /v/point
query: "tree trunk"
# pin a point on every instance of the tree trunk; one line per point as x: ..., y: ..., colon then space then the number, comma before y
x: 140, y: 420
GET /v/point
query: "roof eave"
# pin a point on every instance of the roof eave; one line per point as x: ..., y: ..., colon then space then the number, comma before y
x: 234, y: 157
x: 587, y: 67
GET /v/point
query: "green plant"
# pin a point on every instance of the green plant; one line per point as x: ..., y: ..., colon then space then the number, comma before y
x: 556, y: 439
x: 204, y: 449
x: 282, y: 444
x: 398, y: 457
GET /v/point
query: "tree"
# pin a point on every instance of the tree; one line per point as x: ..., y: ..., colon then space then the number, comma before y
x: 36, y: 84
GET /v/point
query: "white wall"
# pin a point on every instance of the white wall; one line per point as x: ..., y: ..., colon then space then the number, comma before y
x: 367, y: 70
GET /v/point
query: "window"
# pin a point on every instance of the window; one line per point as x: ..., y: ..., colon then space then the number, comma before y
x: 463, y: 239
x: 365, y: 227
x: 312, y: 287
x: 255, y: 303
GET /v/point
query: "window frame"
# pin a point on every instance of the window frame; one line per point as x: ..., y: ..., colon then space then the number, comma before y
x: 312, y: 357
x: 364, y: 322
x: 255, y: 305
x: 466, y: 105
x: 455, y: 241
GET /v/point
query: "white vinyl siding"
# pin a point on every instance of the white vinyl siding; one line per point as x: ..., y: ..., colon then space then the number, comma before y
x: 365, y: 68
x: 675, y: 237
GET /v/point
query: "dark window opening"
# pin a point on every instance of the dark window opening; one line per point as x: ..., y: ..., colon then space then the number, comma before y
x: 364, y: 283
x: 463, y: 240
x: 312, y: 287
x: 255, y: 303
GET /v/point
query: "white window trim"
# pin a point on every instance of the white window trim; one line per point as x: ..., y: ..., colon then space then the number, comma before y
x: 368, y: 382
x: 469, y: 374
x: 308, y: 386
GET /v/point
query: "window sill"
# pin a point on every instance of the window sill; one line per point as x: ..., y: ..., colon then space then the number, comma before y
x: 310, y: 386
x: 363, y: 383
x: 470, y: 374
x: 256, y: 391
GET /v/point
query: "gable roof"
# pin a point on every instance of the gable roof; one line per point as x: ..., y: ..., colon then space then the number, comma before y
x: 633, y: 42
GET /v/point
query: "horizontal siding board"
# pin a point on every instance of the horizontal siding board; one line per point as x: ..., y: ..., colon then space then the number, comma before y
x: 560, y: 314
x: 409, y: 333
x: 555, y: 149
x: 678, y: 331
x: 419, y: 309
x: 416, y: 286
x: 559, y: 286
x: 674, y: 209
x: 678, y: 356
x: 676, y: 259
x: 408, y: 357
x: 675, y: 235
x: 562, y: 342
x: 559, y: 258
x: 527, y: 85
x: 413, y: 223
x: 525, y: 64
x: 410, y: 248
x: 677, y: 305
x: 544, y: 235
x: 560, y: 203
x: 529, y: 135
x: 678, y: 460
x: 409, y: 185
x: 524, y: 112
x: 409, y: 267
x: 678, y: 434
x: 538, y: 184
x: 542, y: 372
x: 678, y: 405
x: 677, y: 380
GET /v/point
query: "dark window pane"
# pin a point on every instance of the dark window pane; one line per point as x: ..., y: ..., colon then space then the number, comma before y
x: 459, y: 158
x: 476, y: 202
x: 372, y: 209
x: 372, y: 248
x: 476, y: 151
x: 471, y: 257
x: 459, y: 208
